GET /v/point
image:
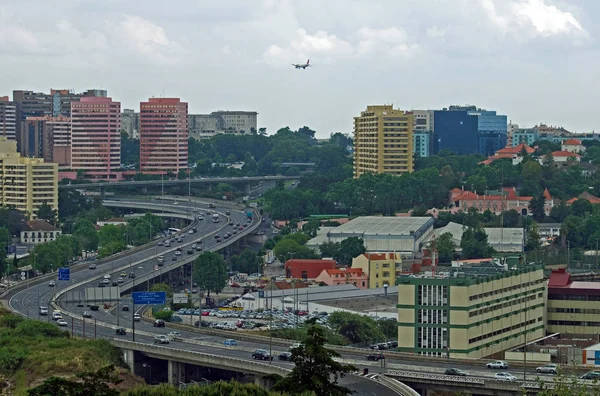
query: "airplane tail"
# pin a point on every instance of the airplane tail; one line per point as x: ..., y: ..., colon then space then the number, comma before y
x: 308, y: 62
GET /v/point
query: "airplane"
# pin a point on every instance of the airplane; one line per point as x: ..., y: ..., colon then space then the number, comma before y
x: 302, y: 65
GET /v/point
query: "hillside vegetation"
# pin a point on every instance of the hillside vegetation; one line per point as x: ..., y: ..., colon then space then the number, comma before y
x: 32, y: 351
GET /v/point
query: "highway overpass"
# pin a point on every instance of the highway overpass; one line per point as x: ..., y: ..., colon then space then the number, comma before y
x: 26, y: 298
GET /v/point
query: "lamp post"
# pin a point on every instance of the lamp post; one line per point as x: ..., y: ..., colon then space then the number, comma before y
x: 145, y: 365
x: 271, y: 325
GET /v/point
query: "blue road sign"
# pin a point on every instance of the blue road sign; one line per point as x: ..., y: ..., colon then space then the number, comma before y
x: 64, y: 274
x: 261, y: 294
x: 149, y: 297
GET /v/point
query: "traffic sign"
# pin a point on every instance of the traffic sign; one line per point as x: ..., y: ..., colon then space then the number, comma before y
x: 261, y: 294
x: 23, y: 273
x: 64, y: 274
x: 180, y: 298
x: 149, y: 297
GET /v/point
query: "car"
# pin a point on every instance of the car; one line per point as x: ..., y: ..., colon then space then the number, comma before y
x: 92, y: 266
x: 261, y: 354
x: 107, y: 276
x: 174, y: 258
x: 159, y: 323
x: 120, y: 280
x: 121, y: 331
x: 161, y: 339
x: 287, y: 356
x: 231, y: 223
x: 56, y: 315
x: 296, y: 345
x: 105, y: 281
x: 123, y: 274
x: 115, y: 283
x: 230, y: 342
x: 159, y: 244
x: 43, y: 311
x: 502, y: 376
x: 198, y: 248
x: 132, y: 275
x: 178, y: 253
x: 455, y: 371
x: 591, y: 375
x: 81, y: 304
x: 174, y: 334
x: 101, y: 284
x: 190, y: 251
x: 94, y: 307
x: 547, y: 369
x: 136, y: 317
x: 51, y: 283
x: 194, y: 246
x: 375, y: 357
x: 125, y: 308
x: 217, y: 236
x: 497, y: 364
x: 86, y: 314
x: 62, y: 322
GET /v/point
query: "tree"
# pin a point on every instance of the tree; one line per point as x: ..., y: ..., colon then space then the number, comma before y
x: 86, y: 233
x: 314, y: 367
x: 311, y: 228
x: 329, y: 249
x: 5, y: 242
x: 45, y: 212
x: 350, y: 248
x: 474, y: 244
x: 581, y: 207
x: 446, y: 247
x: 536, y: 206
x: 210, y: 272
x: 162, y: 287
x: 357, y: 329
x: 560, y: 212
x: 89, y: 383
x: 247, y: 262
x: 533, y: 237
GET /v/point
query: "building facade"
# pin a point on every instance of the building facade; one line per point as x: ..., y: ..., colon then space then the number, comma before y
x: 496, y: 201
x: 26, y: 183
x: 381, y: 268
x: 238, y: 122
x: 573, y: 306
x: 61, y: 99
x: 307, y: 268
x: 473, y: 312
x: 344, y: 276
x: 422, y: 144
x: 39, y: 231
x: 163, y: 136
x: 96, y: 137
x: 130, y: 123
x: 383, y: 141
x: 8, y: 118
x: 48, y: 138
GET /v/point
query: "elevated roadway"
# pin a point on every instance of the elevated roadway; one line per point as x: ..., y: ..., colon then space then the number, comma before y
x: 144, y: 263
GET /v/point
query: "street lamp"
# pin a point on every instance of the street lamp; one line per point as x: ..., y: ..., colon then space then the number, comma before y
x: 145, y: 365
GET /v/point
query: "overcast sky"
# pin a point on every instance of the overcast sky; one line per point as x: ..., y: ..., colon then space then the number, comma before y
x: 533, y: 60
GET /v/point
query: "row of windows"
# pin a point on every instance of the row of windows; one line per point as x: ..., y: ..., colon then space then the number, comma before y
x: 570, y: 297
x: 504, y: 305
x: 505, y: 330
x: 506, y: 289
x: 572, y: 323
x: 588, y: 311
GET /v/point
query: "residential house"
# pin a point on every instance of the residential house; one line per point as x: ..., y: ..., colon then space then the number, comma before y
x: 495, y: 201
x: 381, y: 268
x: 562, y: 158
x: 515, y: 154
x: 39, y: 231
x: 342, y: 276
x: 587, y: 196
x: 307, y: 268
x: 573, y: 146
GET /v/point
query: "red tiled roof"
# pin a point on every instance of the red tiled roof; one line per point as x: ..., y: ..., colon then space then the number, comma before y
x: 455, y: 189
x: 311, y: 268
x: 40, y: 225
x: 547, y: 194
x: 565, y: 154
x: 379, y: 256
x: 587, y: 196
x: 572, y: 142
x: 516, y: 149
x: 559, y: 278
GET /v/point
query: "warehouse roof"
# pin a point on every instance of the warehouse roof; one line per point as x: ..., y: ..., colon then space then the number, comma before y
x: 384, y: 226
x: 496, y: 236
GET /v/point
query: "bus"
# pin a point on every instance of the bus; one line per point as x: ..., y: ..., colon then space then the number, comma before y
x: 174, y: 230
x: 215, y: 218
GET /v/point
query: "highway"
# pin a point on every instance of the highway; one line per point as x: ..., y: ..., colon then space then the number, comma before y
x: 27, y: 301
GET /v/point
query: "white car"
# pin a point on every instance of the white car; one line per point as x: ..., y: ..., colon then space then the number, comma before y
x: 161, y: 339
x: 174, y: 334
x: 296, y: 345
x: 497, y: 364
x: 547, y: 369
x: 61, y: 322
x: 194, y: 246
x: 56, y: 315
x: 505, y: 377
x: 136, y: 317
x: 107, y: 276
x: 51, y: 283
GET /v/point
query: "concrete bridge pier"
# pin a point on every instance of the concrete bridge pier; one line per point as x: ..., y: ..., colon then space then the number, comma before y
x: 175, y: 372
x: 129, y: 359
x: 263, y: 382
x: 248, y: 188
x: 102, y: 192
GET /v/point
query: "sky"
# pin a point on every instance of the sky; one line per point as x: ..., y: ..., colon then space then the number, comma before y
x: 533, y: 60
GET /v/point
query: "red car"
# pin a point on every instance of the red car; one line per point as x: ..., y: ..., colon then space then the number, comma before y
x: 205, y: 313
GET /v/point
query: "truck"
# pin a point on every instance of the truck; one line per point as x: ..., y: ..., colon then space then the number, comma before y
x: 249, y: 214
x: 161, y: 260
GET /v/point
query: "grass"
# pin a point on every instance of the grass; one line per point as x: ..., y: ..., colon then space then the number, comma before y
x: 32, y: 351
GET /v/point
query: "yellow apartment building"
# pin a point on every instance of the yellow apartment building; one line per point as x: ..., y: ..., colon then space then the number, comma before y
x: 26, y: 183
x: 573, y: 306
x: 382, y: 268
x: 472, y: 312
x: 383, y: 141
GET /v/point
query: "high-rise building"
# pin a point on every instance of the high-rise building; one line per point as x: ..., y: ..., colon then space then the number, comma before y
x: 8, y: 118
x: 96, y: 137
x: 239, y: 122
x: 61, y: 99
x: 163, y: 136
x: 383, y: 141
x: 130, y: 123
x: 469, y: 130
x: 26, y: 183
x: 48, y: 138
x: 472, y: 311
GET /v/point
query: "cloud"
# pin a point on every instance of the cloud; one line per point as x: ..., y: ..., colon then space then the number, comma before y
x: 546, y: 19
x: 305, y: 45
x: 389, y: 41
x: 149, y: 40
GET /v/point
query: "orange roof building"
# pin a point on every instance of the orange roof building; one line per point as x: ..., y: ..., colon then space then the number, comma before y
x: 496, y: 201
x: 509, y: 152
x: 307, y: 268
x: 343, y: 276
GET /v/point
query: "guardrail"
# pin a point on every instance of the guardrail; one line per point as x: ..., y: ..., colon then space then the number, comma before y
x: 436, y: 377
x: 397, y: 386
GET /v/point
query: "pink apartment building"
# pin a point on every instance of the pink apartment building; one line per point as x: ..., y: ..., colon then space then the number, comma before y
x: 163, y: 136
x: 96, y: 137
x: 343, y: 276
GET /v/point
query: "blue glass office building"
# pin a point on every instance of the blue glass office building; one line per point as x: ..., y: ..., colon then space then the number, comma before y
x: 469, y: 130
